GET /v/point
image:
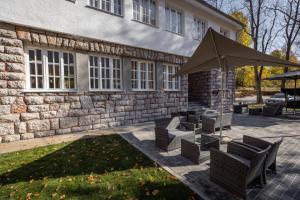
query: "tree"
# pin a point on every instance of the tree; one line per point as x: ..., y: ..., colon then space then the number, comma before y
x: 216, y: 3
x: 242, y: 77
x: 262, y: 29
x: 291, y: 26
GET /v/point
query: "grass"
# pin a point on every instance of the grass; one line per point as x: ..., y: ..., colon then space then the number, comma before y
x: 105, y: 167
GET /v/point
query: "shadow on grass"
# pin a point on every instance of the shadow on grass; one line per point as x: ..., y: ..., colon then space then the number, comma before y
x: 98, y: 155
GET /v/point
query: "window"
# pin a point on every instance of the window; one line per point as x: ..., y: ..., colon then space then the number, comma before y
x: 199, y: 29
x: 145, y: 11
x: 174, y: 20
x: 170, y: 82
x: 142, y: 75
x: 50, y: 70
x: 224, y: 32
x: 112, y: 6
x: 105, y: 73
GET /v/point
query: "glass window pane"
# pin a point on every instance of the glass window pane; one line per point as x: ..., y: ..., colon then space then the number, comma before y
x: 51, y: 82
x: 96, y: 83
x: 91, y: 72
x: 31, y: 55
x: 57, y: 71
x: 72, y: 83
x: 32, y: 82
x: 51, y: 70
x: 40, y: 82
x: 67, y: 83
x: 66, y: 60
x: 32, y: 68
x: 66, y: 71
x: 56, y: 57
x: 38, y: 55
x: 71, y: 59
x: 50, y: 56
x: 57, y: 82
x: 91, y: 61
x: 39, y: 69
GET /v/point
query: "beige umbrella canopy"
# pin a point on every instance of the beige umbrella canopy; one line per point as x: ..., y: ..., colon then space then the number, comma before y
x: 216, y: 47
x: 217, y: 51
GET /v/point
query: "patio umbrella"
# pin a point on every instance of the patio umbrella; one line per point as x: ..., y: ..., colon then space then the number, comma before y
x: 292, y: 75
x: 219, y: 52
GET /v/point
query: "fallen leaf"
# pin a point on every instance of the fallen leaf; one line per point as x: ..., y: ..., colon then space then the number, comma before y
x: 155, y: 192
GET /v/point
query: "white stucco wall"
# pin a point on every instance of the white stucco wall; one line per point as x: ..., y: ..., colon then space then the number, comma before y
x: 75, y: 18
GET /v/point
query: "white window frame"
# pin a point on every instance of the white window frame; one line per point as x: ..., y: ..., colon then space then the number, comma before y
x: 98, y: 4
x: 45, y: 67
x: 111, y: 68
x: 173, y: 81
x: 139, y: 62
x: 138, y: 15
x: 199, y: 28
x: 169, y: 24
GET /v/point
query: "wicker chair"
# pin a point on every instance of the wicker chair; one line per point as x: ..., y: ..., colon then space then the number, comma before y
x: 169, y: 133
x: 259, y: 144
x: 237, y: 168
x: 272, y: 110
x: 210, y: 124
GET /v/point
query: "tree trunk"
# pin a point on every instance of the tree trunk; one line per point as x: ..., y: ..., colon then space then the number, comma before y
x: 258, y: 75
x: 286, y: 69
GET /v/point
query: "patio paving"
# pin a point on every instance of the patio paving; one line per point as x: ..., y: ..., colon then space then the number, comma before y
x: 283, y: 185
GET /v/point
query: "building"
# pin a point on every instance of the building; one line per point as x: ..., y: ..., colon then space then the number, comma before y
x: 75, y: 65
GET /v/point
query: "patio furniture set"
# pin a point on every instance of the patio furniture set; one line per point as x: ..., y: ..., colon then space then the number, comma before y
x: 271, y: 109
x: 245, y: 163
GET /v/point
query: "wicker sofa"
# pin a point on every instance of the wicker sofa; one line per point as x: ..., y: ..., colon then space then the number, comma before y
x: 170, y: 131
x: 237, y: 167
x: 272, y: 109
x: 210, y: 124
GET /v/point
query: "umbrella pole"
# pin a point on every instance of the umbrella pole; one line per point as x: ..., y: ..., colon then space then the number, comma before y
x: 295, y: 96
x: 223, y: 80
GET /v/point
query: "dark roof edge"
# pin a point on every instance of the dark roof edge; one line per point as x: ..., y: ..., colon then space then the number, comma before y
x: 220, y: 12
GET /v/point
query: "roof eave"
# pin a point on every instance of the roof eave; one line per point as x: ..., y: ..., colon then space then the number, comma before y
x: 237, y: 22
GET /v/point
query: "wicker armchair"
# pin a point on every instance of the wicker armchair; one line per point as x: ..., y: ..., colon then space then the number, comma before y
x: 169, y: 133
x: 237, y: 168
x: 210, y: 124
x: 272, y: 110
x: 259, y: 144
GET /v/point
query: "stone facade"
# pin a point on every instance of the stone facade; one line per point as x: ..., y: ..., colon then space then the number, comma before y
x: 25, y: 115
x: 204, y: 87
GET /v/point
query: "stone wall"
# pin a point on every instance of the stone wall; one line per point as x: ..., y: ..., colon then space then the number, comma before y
x: 204, y: 87
x: 25, y: 115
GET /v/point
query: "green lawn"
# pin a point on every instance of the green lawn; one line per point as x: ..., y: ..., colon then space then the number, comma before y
x: 105, y: 167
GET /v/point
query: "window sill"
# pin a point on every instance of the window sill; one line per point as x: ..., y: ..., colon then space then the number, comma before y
x: 91, y: 7
x: 173, y: 90
x: 91, y: 90
x: 154, y: 26
x: 49, y: 91
x: 180, y: 34
x: 136, y: 90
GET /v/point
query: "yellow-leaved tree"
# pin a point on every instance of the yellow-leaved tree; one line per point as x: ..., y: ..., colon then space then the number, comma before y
x: 244, y: 75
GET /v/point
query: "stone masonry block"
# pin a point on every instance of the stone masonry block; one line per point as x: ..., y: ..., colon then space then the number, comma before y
x: 68, y: 122
x: 5, y: 109
x: 34, y: 100
x: 7, y: 129
x: 10, y: 138
x: 38, y: 125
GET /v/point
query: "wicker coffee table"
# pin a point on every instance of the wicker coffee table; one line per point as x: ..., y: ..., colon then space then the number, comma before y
x: 198, y: 151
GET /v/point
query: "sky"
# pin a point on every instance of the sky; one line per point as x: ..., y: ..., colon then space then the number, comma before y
x: 231, y: 5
